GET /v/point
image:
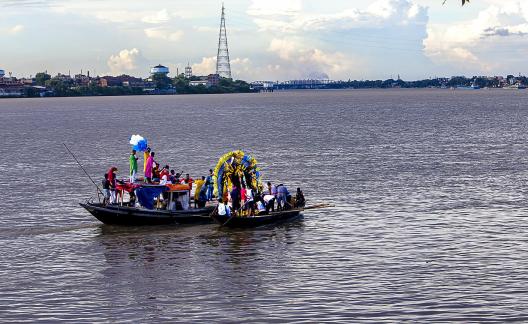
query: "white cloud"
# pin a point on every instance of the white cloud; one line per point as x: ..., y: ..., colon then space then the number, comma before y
x: 291, y: 19
x: 319, y: 44
x: 275, y: 8
x: 241, y: 67
x: 283, y: 47
x: 205, y: 67
x: 338, y: 44
x: 207, y: 29
x: 116, y: 12
x: 102, y: 10
x: 116, y: 16
x: 164, y: 33
x: 157, y: 18
x: 478, y: 43
x: 125, y: 61
x: 15, y: 29
x: 303, y: 62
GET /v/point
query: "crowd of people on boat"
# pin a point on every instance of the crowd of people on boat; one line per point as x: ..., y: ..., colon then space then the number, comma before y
x: 244, y: 201
x: 241, y: 199
x: 154, y: 174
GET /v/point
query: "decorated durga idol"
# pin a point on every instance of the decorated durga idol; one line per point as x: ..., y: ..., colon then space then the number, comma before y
x: 237, y: 183
x: 242, y: 201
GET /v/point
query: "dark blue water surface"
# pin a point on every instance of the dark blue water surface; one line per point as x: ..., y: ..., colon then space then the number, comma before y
x: 429, y: 222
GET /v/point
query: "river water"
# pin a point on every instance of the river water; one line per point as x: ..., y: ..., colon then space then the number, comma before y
x: 429, y: 222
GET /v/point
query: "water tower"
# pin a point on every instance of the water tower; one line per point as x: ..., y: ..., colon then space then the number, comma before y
x: 159, y: 69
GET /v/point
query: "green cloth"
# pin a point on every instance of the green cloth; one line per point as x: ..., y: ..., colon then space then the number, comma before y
x: 133, y: 164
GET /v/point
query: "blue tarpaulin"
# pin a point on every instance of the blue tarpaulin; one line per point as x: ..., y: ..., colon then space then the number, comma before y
x: 146, y: 195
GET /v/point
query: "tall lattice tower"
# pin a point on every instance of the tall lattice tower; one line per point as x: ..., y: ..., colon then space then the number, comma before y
x: 223, y: 66
x: 188, y: 71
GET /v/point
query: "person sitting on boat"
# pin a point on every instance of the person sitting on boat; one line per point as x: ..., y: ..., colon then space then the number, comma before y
x: 300, y: 202
x: 172, y: 177
x: 165, y: 173
x: 164, y: 180
x: 106, y: 189
x: 260, y: 204
x: 133, y: 166
x: 155, y: 172
x: 177, y: 178
x: 223, y: 209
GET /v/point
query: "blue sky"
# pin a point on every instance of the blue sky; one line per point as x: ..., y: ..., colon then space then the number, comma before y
x: 268, y: 39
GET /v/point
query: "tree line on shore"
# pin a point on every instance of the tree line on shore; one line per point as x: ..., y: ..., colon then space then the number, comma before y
x: 65, y: 86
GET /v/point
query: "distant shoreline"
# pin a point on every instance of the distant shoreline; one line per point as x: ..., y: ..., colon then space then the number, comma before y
x: 284, y: 91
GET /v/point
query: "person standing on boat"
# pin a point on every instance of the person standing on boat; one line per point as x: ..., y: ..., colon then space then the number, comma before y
x: 146, y: 155
x: 272, y: 190
x: 209, y: 182
x: 248, y: 199
x: 106, y: 189
x: 188, y: 181
x: 133, y: 166
x: 148, y: 168
x: 282, y: 195
x: 202, y: 197
x: 235, y: 199
x: 270, y: 197
x: 112, y: 184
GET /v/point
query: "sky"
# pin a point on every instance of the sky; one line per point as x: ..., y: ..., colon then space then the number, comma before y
x: 268, y: 39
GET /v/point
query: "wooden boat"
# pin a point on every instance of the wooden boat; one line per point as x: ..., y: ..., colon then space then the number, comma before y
x: 124, y: 215
x: 255, y: 221
x: 176, y: 209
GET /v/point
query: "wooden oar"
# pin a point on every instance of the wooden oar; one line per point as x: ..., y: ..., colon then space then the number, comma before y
x: 227, y: 221
x: 324, y: 205
x: 235, y: 214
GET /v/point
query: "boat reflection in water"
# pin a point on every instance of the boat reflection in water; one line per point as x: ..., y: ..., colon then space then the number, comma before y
x: 178, y: 266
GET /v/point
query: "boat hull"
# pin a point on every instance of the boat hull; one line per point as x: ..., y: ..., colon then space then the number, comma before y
x: 121, y: 215
x: 255, y: 221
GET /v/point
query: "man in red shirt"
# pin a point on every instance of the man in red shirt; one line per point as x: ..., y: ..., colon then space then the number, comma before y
x: 189, y: 181
x: 165, y: 171
x: 113, y: 184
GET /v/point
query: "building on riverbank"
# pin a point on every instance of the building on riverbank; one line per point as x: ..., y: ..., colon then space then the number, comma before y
x: 123, y: 81
x: 159, y: 69
x: 9, y: 86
